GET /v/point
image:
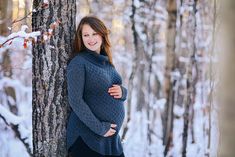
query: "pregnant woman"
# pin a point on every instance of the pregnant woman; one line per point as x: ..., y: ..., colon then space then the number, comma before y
x: 95, y: 93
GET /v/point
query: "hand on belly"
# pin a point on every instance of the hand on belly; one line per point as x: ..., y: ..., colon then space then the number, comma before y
x: 115, y: 91
x: 111, y: 131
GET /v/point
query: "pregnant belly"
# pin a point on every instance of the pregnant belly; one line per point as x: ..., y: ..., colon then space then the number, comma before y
x: 109, y: 110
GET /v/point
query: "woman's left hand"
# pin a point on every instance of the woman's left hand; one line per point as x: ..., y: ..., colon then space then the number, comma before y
x: 115, y: 91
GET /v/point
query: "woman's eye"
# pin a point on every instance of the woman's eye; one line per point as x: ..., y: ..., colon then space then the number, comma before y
x: 85, y: 35
x: 95, y: 33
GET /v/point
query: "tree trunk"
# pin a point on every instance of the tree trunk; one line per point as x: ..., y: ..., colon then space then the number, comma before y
x: 227, y: 107
x: 191, y: 77
x: 133, y: 73
x: 50, y: 102
x: 5, y: 22
x: 5, y: 16
x: 169, y: 85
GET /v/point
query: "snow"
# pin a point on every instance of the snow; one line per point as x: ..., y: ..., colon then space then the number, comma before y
x: 19, y: 100
x: 45, y: 1
x: 10, y: 118
x: 22, y: 33
x: 137, y: 3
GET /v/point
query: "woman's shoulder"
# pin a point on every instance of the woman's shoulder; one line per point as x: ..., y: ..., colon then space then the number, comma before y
x: 78, y: 59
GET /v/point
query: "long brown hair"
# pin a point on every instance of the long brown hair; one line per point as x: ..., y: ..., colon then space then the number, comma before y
x: 98, y: 26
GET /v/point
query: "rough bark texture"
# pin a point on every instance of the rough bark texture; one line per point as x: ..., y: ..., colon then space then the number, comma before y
x: 50, y: 104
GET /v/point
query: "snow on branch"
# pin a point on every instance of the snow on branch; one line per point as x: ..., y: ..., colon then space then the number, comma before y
x: 14, y: 121
x: 32, y: 36
x: 22, y: 34
x: 9, y: 117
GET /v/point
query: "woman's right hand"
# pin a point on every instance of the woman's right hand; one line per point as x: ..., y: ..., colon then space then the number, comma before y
x: 111, y: 130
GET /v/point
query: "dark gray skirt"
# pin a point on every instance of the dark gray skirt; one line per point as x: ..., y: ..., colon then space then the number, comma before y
x: 80, y: 149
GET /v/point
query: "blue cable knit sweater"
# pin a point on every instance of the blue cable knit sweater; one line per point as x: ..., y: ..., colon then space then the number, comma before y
x: 89, y: 76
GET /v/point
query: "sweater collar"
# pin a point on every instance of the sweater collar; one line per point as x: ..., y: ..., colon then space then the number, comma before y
x: 96, y: 58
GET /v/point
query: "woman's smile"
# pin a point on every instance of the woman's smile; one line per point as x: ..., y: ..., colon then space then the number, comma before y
x: 92, y: 44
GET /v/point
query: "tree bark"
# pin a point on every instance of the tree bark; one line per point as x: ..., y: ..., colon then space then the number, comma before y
x: 50, y: 102
x: 170, y: 66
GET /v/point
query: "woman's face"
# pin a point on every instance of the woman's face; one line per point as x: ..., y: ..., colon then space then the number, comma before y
x: 91, y: 39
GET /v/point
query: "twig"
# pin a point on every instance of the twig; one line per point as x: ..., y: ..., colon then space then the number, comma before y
x: 17, y: 133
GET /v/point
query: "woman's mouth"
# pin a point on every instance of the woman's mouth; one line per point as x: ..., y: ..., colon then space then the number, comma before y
x: 92, y: 44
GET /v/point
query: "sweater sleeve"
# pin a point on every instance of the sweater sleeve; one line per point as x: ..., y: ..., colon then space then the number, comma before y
x: 75, y: 86
x: 124, y: 93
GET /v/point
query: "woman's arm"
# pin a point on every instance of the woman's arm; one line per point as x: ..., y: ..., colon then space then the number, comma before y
x: 124, y: 93
x: 75, y: 82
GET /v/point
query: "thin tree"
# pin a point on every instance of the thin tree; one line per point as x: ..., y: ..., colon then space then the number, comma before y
x: 191, y: 77
x: 169, y: 84
x: 133, y: 73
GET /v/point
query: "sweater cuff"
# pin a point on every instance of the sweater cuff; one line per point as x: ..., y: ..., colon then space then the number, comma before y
x: 106, y: 127
x: 124, y: 93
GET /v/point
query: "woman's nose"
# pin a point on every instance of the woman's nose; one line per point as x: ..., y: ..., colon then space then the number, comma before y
x: 90, y: 39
